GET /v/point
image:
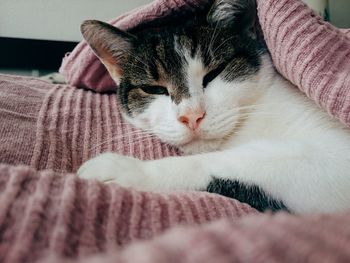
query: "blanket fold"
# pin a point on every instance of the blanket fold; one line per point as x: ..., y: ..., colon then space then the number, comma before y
x: 45, y: 213
x: 251, y: 239
x: 262, y: 238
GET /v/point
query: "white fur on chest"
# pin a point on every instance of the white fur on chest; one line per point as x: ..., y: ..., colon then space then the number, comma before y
x: 285, y: 113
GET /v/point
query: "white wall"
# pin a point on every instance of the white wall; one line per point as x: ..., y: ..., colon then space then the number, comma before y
x: 61, y: 19
x: 57, y: 19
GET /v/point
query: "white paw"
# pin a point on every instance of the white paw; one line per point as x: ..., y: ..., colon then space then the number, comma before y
x: 110, y: 167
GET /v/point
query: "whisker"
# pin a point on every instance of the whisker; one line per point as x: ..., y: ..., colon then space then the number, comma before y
x: 139, y: 139
x: 213, y: 38
x: 222, y: 44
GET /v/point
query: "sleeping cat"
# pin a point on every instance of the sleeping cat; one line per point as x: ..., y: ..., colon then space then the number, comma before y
x: 208, y: 87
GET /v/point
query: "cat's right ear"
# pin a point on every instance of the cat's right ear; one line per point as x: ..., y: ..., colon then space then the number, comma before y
x: 111, y: 45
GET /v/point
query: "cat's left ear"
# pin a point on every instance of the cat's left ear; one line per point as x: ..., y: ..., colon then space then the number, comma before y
x: 239, y: 15
x: 111, y: 45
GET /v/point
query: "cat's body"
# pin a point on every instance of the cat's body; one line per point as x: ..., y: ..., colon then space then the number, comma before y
x: 252, y: 135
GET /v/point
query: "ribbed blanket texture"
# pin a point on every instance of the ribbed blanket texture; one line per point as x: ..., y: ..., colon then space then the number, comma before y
x: 47, y: 214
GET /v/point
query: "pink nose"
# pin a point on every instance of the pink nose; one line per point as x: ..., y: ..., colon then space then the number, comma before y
x: 192, y: 119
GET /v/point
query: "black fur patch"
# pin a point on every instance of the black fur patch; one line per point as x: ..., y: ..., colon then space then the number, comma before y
x: 250, y: 194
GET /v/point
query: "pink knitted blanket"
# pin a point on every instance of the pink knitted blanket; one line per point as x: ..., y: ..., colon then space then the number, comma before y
x: 52, y: 216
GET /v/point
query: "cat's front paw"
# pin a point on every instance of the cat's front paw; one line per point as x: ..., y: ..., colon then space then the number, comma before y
x: 110, y: 167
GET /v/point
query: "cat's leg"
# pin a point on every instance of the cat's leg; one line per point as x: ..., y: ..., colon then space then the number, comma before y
x: 157, y: 175
x: 300, y: 175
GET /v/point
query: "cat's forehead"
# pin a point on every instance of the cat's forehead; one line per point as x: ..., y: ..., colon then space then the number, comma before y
x: 172, y: 59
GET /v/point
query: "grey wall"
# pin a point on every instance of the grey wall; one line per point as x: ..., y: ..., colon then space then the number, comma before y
x: 340, y: 13
x: 338, y: 10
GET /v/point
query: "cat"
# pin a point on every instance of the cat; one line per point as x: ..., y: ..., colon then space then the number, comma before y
x: 208, y: 87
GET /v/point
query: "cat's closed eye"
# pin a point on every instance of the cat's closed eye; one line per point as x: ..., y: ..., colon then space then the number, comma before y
x: 209, y: 77
x: 155, y: 90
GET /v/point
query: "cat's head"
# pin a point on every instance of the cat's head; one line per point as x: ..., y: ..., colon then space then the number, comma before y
x: 187, y: 84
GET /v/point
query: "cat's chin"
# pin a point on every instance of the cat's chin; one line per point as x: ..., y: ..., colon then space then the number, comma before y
x: 200, y: 146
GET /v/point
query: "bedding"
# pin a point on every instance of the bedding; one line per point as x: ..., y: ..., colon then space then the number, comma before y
x: 47, y: 214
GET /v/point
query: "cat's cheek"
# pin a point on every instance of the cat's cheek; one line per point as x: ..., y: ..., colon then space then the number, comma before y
x: 161, y: 115
x: 156, y: 112
x: 141, y: 121
x: 144, y: 122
